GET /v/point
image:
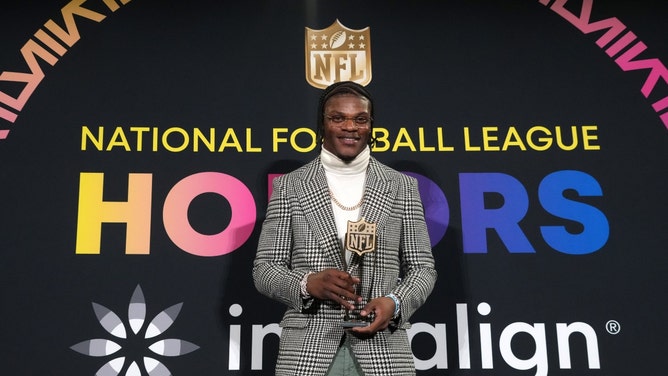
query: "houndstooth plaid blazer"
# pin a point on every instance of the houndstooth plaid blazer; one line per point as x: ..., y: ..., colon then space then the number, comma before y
x: 299, y: 235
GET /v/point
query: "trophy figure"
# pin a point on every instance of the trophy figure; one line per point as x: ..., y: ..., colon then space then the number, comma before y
x: 360, y: 239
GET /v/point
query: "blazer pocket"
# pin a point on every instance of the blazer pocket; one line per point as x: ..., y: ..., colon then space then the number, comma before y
x: 389, y: 237
x: 294, y: 322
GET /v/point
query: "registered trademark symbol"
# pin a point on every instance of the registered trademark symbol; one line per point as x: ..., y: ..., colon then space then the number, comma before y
x: 613, y: 327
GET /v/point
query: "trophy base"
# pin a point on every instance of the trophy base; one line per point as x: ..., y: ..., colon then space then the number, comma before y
x: 354, y: 324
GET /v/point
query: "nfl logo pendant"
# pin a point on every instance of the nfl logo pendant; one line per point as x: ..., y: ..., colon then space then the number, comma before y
x: 361, y: 237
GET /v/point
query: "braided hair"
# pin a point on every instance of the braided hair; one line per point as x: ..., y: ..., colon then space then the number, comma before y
x: 338, y: 88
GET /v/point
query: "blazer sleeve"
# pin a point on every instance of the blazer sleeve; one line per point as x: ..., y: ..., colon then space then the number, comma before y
x: 419, y: 273
x: 273, y: 274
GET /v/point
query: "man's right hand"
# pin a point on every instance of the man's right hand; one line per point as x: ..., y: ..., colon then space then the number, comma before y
x: 333, y: 284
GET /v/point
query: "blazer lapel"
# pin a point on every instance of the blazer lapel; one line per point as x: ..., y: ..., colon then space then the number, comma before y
x: 378, y: 195
x: 314, y: 196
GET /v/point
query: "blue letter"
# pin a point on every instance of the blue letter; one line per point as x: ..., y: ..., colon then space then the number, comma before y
x: 476, y: 219
x: 596, y: 228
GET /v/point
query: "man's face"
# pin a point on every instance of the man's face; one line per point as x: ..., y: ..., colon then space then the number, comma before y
x: 346, y: 138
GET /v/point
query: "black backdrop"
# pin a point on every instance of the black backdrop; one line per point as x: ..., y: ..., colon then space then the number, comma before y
x: 458, y: 66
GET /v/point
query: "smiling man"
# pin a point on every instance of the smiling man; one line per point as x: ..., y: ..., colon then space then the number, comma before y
x: 345, y: 247
x: 346, y: 131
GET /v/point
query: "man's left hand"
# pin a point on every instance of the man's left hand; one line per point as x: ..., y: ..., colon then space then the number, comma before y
x: 383, y: 307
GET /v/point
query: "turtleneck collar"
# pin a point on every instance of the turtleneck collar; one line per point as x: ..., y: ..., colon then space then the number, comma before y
x: 334, y: 164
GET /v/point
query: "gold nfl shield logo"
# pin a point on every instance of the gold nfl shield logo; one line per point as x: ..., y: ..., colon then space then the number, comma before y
x: 361, y: 237
x: 336, y: 54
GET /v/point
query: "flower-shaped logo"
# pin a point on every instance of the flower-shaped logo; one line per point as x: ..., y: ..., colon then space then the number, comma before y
x: 113, y: 324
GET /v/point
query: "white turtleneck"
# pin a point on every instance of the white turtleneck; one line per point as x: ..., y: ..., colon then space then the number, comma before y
x: 346, y: 182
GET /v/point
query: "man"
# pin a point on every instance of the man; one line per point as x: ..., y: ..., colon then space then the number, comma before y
x: 304, y: 261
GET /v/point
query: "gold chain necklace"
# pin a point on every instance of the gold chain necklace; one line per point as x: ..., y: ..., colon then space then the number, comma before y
x: 346, y: 208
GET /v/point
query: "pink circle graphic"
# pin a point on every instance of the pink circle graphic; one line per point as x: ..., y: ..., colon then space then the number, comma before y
x: 175, y: 214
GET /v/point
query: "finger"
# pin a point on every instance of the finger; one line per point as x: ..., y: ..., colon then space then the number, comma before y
x: 345, y: 284
x: 340, y: 274
x: 348, y: 278
x: 368, y: 308
x: 334, y: 280
x: 375, y: 326
x: 341, y: 300
x: 348, y: 293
